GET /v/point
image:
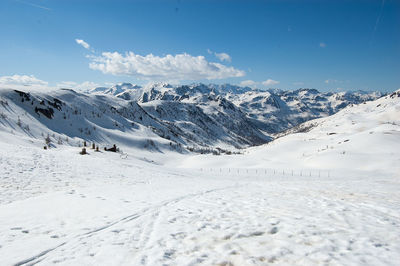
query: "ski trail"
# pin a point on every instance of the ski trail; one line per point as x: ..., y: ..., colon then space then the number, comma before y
x: 153, y: 211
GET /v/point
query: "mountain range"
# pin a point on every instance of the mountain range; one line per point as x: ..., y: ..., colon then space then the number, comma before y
x: 195, y: 117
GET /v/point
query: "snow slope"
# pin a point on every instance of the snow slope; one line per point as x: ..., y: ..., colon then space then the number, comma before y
x: 105, y: 119
x: 362, y: 137
x: 149, y: 208
x: 271, y: 111
x: 198, y: 117
x: 68, y: 117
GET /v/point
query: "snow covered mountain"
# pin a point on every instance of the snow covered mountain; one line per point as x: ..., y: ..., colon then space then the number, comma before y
x: 205, y: 118
x: 275, y: 111
x: 115, y: 90
x: 121, y: 90
x: 362, y: 138
x: 328, y: 193
x: 271, y: 111
x: 65, y: 114
x: 70, y: 117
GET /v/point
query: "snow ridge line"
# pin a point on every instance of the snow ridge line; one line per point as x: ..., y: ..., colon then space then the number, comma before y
x: 35, y: 259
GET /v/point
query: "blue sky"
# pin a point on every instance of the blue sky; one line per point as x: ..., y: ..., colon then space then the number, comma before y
x: 328, y: 45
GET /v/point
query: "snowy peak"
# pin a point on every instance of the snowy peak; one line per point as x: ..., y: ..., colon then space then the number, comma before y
x: 125, y: 91
x: 107, y: 119
x: 369, y: 129
x: 271, y: 111
x: 117, y: 89
x: 195, y: 115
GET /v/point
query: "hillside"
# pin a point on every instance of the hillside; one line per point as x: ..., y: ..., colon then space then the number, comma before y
x: 327, y: 193
x: 271, y: 111
x: 363, y: 137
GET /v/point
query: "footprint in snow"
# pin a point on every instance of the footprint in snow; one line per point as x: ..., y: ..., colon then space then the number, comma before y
x: 169, y: 253
x: 179, y: 235
x: 273, y: 230
x: 257, y: 233
x: 173, y: 220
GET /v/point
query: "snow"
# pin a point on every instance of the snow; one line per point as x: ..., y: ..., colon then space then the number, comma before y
x: 271, y: 111
x: 152, y: 208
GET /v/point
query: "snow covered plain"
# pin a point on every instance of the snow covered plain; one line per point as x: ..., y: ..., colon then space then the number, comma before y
x: 328, y: 196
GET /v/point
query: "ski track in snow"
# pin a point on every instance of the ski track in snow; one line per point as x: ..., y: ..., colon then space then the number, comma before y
x: 156, y: 216
x: 58, y: 207
x: 153, y: 212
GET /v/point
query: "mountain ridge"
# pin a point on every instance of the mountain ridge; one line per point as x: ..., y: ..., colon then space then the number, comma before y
x: 198, y: 116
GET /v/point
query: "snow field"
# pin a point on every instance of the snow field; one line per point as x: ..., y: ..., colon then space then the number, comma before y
x: 60, y: 207
x: 166, y: 208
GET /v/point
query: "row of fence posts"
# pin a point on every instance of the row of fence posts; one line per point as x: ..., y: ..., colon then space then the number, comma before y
x: 310, y: 173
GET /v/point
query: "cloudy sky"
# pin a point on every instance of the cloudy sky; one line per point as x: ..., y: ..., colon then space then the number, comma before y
x: 328, y: 45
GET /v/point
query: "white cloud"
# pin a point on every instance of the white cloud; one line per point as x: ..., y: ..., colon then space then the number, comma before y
x: 83, y: 43
x: 221, y: 56
x: 270, y: 82
x: 322, y: 44
x: 16, y: 81
x: 66, y: 84
x: 31, y: 82
x: 252, y: 84
x: 87, y: 85
x: 332, y: 81
x: 170, y: 67
x: 248, y: 83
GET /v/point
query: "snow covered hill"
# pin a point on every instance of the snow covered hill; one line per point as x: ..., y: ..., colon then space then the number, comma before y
x: 270, y: 111
x: 363, y: 137
x: 198, y: 117
x: 327, y: 193
x: 126, y: 91
x: 206, y: 118
x: 71, y: 117
x: 275, y: 111
x: 67, y: 117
